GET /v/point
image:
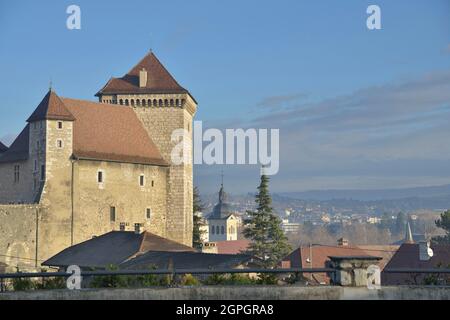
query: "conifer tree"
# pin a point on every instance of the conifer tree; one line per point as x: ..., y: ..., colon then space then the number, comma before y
x: 263, y: 228
x: 197, y: 222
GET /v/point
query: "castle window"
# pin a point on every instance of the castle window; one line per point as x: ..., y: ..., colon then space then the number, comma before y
x: 138, y: 102
x: 35, y: 165
x: 126, y: 102
x: 148, y: 213
x: 59, y: 143
x: 217, y: 229
x: 160, y: 103
x: 149, y: 102
x: 213, y: 230
x: 144, y: 102
x: 60, y: 125
x: 171, y: 102
x: 155, y: 103
x: 112, y: 214
x: 142, y: 180
x: 132, y: 102
x: 182, y: 102
x: 16, y: 173
x: 223, y: 230
x: 153, y: 183
x: 166, y: 103
x: 177, y: 102
x: 121, y: 101
x: 100, y: 176
x: 42, y: 172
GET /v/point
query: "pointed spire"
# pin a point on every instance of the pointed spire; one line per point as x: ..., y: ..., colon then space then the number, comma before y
x: 51, y: 108
x: 408, y: 236
x: 222, y: 194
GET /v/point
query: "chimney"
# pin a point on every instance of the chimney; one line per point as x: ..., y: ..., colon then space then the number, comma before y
x: 342, y: 242
x: 137, y: 228
x: 425, y: 252
x: 142, y: 78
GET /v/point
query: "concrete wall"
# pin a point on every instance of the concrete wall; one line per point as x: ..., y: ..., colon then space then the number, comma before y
x: 240, y: 293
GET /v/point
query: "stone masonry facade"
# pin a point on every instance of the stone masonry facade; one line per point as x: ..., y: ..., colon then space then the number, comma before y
x: 58, y: 201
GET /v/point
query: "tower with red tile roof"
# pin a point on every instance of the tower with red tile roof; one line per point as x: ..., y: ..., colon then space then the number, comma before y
x: 163, y: 106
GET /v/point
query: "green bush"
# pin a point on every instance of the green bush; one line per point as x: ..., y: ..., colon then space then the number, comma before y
x: 226, y: 279
x: 189, y: 280
x: 22, y: 284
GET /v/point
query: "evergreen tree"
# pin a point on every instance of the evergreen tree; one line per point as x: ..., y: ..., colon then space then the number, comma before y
x: 263, y: 228
x: 444, y: 223
x: 197, y: 222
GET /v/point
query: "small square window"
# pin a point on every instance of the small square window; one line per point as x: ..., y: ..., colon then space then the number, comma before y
x: 148, y: 213
x: 60, y: 125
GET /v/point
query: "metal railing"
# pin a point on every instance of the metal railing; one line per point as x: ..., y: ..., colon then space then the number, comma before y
x: 161, y: 272
x: 177, y: 272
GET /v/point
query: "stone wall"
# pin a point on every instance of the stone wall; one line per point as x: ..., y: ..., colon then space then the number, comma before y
x: 239, y: 293
x: 121, y: 190
x: 18, y: 236
x: 160, y: 123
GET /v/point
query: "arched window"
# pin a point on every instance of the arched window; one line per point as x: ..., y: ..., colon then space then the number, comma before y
x: 166, y: 103
x: 126, y: 102
x: 171, y: 102
x: 132, y: 102
x: 144, y: 102
x: 138, y: 102
x: 217, y: 229
x: 149, y: 102
x: 182, y: 102
x: 177, y: 102
x: 155, y: 103
x: 213, y: 230
x: 121, y: 101
x: 223, y: 230
x: 160, y: 102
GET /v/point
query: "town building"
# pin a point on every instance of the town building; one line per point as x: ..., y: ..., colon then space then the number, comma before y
x: 223, y: 224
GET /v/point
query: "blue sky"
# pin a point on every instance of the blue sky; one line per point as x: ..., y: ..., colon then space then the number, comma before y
x: 355, y: 108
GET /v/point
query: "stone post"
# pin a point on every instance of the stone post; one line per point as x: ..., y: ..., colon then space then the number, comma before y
x: 355, y: 271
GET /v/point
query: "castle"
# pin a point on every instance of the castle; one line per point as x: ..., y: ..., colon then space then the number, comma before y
x: 80, y: 168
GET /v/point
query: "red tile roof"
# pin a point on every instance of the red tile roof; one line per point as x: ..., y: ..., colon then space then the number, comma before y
x: 317, y: 256
x: 159, y: 80
x: 101, y: 132
x: 232, y: 247
x: 110, y: 132
x: 51, y: 108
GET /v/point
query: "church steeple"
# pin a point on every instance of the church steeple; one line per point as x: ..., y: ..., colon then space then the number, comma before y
x: 408, y: 236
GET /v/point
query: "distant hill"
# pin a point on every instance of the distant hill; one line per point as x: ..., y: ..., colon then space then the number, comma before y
x: 371, y: 195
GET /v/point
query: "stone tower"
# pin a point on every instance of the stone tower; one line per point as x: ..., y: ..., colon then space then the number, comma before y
x: 163, y: 106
